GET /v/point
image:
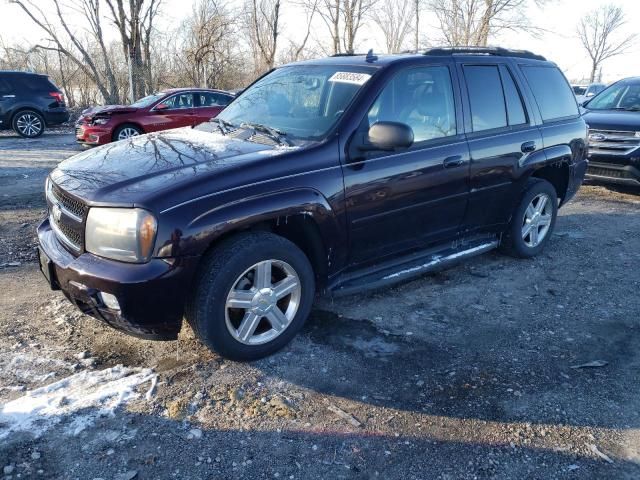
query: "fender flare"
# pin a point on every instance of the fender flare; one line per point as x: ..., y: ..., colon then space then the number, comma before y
x: 214, y: 223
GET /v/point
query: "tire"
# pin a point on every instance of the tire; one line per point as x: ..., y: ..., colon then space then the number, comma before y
x: 235, y: 265
x: 126, y: 131
x: 520, y: 241
x: 28, y: 124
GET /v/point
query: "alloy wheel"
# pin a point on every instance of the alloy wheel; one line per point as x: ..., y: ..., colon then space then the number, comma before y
x: 537, y: 220
x: 29, y: 125
x: 127, y: 132
x: 263, y: 302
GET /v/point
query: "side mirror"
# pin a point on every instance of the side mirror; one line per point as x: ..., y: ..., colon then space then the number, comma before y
x: 161, y: 106
x: 388, y: 136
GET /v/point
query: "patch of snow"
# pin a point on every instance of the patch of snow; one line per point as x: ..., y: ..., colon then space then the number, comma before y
x: 278, y: 150
x: 84, y: 396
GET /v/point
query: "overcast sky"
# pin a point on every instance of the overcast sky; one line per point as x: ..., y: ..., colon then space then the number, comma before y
x: 558, y: 18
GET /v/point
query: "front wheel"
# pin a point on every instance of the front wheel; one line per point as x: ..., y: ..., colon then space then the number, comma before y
x: 252, y: 295
x: 533, y: 221
x: 126, y: 131
x: 28, y: 124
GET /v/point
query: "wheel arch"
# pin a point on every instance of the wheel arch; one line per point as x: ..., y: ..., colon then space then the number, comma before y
x: 303, y: 216
x: 553, y: 167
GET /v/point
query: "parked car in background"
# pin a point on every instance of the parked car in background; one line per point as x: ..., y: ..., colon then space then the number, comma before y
x: 613, y: 118
x: 177, y: 107
x: 29, y: 103
x: 333, y: 176
x: 587, y: 92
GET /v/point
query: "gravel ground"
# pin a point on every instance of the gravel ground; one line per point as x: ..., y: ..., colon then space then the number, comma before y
x: 468, y: 373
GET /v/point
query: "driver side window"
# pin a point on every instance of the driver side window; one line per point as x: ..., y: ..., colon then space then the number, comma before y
x: 421, y: 98
x: 183, y: 100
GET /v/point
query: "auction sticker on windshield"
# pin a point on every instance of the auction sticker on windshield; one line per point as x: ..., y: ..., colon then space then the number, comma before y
x: 350, y: 77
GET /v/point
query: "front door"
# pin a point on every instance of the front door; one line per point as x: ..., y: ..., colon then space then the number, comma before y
x: 178, y: 111
x: 401, y: 200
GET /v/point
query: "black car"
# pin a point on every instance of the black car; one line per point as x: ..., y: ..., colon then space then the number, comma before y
x: 613, y: 118
x: 330, y: 176
x: 29, y: 103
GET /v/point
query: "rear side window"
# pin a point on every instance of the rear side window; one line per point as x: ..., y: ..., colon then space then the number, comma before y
x: 551, y: 91
x: 209, y: 99
x: 37, y: 83
x: 486, y: 97
x: 4, y: 86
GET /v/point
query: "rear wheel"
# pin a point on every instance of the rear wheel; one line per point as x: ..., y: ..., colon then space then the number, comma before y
x: 253, y: 294
x: 126, y: 131
x: 533, y: 221
x: 28, y: 124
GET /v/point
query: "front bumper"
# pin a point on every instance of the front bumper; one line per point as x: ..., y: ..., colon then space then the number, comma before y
x: 618, y: 170
x: 90, y: 135
x: 151, y: 295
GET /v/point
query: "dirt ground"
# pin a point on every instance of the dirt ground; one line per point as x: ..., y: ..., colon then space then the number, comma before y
x: 465, y: 374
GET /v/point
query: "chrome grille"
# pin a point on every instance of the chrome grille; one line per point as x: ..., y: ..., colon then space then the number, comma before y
x: 69, y: 203
x: 612, y: 142
x: 66, y: 216
x: 78, y: 132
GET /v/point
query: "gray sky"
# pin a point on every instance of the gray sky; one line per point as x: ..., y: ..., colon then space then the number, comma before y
x: 558, y: 18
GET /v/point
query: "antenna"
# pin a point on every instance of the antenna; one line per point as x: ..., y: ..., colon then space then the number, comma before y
x: 370, y: 56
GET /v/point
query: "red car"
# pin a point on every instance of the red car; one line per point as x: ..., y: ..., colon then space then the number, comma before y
x: 177, y: 107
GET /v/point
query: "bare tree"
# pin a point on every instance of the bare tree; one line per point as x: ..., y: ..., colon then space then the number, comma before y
x: 472, y: 22
x: 394, y: 18
x: 134, y: 20
x: 208, y: 32
x: 264, y: 29
x: 76, y: 50
x: 597, y: 33
x: 354, y: 13
x: 417, y: 6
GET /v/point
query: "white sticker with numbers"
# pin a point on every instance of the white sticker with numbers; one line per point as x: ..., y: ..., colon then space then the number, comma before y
x: 350, y: 77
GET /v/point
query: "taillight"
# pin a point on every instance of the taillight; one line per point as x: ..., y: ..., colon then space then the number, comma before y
x: 58, y: 96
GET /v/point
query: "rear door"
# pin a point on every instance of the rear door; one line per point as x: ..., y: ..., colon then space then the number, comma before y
x: 501, y: 133
x: 180, y: 112
x: 406, y: 199
x: 7, y: 99
x: 209, y: 104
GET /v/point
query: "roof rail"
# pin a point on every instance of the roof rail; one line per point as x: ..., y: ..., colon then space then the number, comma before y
x: 348, y: 55
x: 498, y: 51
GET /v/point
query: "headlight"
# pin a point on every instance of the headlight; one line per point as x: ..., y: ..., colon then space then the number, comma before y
x: 125, y: 234
x: 100, y: 121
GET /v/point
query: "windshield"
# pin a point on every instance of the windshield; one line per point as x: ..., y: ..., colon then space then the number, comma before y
x: 621, y: 96
x: 578, y: 90
x: 148, y: 100
x: 300, y: 101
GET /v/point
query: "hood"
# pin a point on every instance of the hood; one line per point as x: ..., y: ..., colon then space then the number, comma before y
x: 613, y: 120
x: 149, y: 166
x: 107, y: 110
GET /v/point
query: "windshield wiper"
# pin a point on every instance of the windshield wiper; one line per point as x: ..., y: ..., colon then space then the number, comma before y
x: 224, y: 126
x: 627, y: 109
x: 273, y: 133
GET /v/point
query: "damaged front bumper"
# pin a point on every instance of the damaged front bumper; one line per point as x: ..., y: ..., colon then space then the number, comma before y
x: 150, y: 297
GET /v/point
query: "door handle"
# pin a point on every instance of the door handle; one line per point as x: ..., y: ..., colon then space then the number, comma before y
x: 453, y: 161
x: 528, y: 147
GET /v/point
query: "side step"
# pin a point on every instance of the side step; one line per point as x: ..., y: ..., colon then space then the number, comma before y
x: 408, y: 267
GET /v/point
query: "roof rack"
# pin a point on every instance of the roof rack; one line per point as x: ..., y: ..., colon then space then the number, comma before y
x: 348, y: 55
x: 498, y: 51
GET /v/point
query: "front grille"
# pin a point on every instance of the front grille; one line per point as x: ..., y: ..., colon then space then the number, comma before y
x: 67, y: 217
x: 71, y: 204
x: 72, y: 234
x: 612, y: 142
x: 79, y: 132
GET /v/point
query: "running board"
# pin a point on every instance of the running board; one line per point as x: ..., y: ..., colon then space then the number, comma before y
x: 408, y: 267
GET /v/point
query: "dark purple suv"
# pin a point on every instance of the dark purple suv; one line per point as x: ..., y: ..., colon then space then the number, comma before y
x: 324, y: 177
